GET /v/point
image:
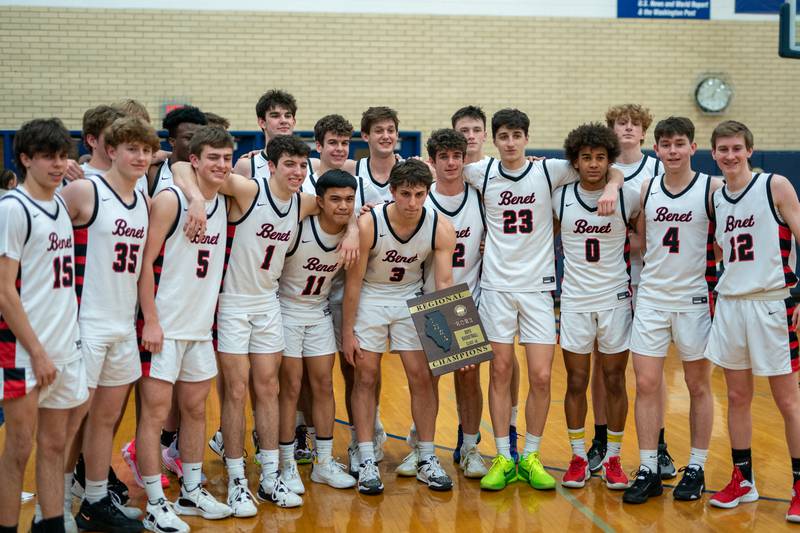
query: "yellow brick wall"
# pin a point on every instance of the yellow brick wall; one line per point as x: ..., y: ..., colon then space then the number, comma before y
x: 562, y: 72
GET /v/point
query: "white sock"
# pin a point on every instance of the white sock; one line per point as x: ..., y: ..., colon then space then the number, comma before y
x: 470, y: 441
x: 514, y: 412
x: 503, y: 447
x: 192, y: 476
x: 235, y: 469
x: 286, y: 452
x: 270, y: 459
x: 152, y: 487
x: 649, y: 458
x: 532, y: 443
x: 95, y: 490
x: 324, y: 448
x: 697, y: 457
x: 366, y: 451
x: 426, y: 450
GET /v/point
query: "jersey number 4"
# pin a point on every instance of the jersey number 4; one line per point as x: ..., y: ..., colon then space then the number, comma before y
x: 518, y: 221
x: 671, y: 240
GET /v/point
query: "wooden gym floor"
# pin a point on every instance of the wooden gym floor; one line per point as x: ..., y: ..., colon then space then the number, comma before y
x: 407, y: 505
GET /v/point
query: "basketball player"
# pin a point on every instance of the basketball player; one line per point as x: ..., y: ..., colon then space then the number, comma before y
x: 44, y: 377
x: 176, y: 334
x: 180, y: 124
x: 516, y: 283
x: 471, y: 122
x: 311, y: 263
x: 110, y: 220
x: 263, y: 219
x: 461, y: 205
x: 674, y: 304
x: 96, y: 121
x: 379, y: 130
x: 595, y: 296
x: 754, y: 331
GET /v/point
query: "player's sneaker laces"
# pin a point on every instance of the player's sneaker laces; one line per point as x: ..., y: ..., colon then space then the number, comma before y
x: 793, y: 514
x: 512, y: 442
x: 217, y: 445
x: 105, y: 516
x: 291, y: 477
x: 272, y: 489
x: 332, y: 474
x: 596, y: 454
x: 645, y: 485
x: 200, y: 502
x: 408, y: 467
x: 161, y: 518
x: 739, y: 490
x: 502, y: 472
x: 691, y: 485
x: 577, y: 473
x: 369, y: 478
x: 665, y: 463
x: 613, y: 474
x: 472, y: 463
x: 430, y: 472
x: 530, y: 469
x: 241, y: 500
x: 302, y: 451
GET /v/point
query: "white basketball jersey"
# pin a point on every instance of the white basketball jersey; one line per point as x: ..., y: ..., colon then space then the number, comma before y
x: 394, y: 270
x: 680, y: 251
x: 465, y: 212
x: 190, y: 273
x: 596, y: 251
x: 89, y: 170
x: 108, y: 257
x: 162, y: 180
x: 259, y: 166
x: 518, y: 255
x: 365, y: 173
x: 310, y: 267
x: 39, y: 236
x: 258, y: 243
x: 757, y: 245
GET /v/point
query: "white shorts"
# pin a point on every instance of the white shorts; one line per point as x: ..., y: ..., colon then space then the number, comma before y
x: 244, y: 333
x: 309, y: 341
x: 529, y: 314
x: 755, y: 335
x: 611, y: 328
x: 190, y: 361
x: 68, y: 390
x: 111, y: 363
x: 377, y: 323
x: 654, y: 329
x: 336, y: 317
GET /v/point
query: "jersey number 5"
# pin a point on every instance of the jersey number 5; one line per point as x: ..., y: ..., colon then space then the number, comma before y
x: 202, y: 263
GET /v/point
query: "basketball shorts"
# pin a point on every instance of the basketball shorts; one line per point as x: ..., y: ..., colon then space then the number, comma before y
x: 377, y: 323
x: 654, y: 329
x: 242, y: 333
x: 68, y: 390
x: 309, y: 340
x: 611, y: 328
x: 189, y: 361
x: 336, y: 317
x: 527, y: 314
x: 111, y: 363
x: 754, y: 335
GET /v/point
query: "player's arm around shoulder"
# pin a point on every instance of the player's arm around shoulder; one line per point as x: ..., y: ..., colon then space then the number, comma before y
x: 443, y: 254
x: 243, y: 165
x: 164, y: 213
x: 81, y: 201
x: 354, y: 278
x: 640, y: 226
x: 607, y: 204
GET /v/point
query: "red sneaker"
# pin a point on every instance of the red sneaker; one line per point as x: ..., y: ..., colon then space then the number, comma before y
x: 793, y: 514
x: 613, y: 475
x: 739, y: 490
x: 576, y: 475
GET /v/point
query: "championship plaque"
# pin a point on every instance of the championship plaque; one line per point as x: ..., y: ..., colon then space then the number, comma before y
x: 450, y: 330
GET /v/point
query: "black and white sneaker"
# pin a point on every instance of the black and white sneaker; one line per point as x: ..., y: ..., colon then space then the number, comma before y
x: 665, y: 463
x: 105, y: 516
x: 200, y: 502
x: 241, y: 500
x: 691, y: 485
x: 645, y: 484
x: 161, y: 518
x: 430, y: 471
x: 596, y: 454
x: 369, y: 478
x: 117, y: 487
x: 272, y: 489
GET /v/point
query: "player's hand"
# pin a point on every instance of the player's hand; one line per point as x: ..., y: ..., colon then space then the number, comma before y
x: 349, y: 248
x: 468, y: 368
x: 366, y: 208
x: 352, y: 349
x: 607, y: 203
x: 152, y: 337
x: 44, y: 370
x: 249, y: 155
x: 195, y: 219
x: 159, y: 157
x: 74, y: 171
x: 795, y: 317
x: 534, y: 158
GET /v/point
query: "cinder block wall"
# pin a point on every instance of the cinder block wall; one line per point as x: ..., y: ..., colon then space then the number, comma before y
x: 562, y: 72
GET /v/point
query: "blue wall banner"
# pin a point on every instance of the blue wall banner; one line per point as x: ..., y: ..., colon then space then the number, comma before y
x: 758, y: 6
x: 664, y: 9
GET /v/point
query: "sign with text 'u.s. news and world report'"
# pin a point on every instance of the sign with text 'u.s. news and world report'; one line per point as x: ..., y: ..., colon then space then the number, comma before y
x: 664, y: 9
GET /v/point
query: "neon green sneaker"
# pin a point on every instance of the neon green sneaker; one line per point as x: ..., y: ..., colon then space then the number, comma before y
x: 532, y: 471
x: 502, y: 472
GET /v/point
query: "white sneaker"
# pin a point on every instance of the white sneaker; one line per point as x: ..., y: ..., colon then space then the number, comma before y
x: 332, y: 473
x: 161, y: 518
x: 272, y: 489
x: 171, y: 458
x: 472, y: 463
x: 130, y: 512
x: 369, y: 478
x: 200, y: 502
x: 291, y: 477
x: 216, y: 444
x: 408, y: 468
x: 378, y: 440
x: 353, y: 456
x: 431, y: 473
x: 241, y: 500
